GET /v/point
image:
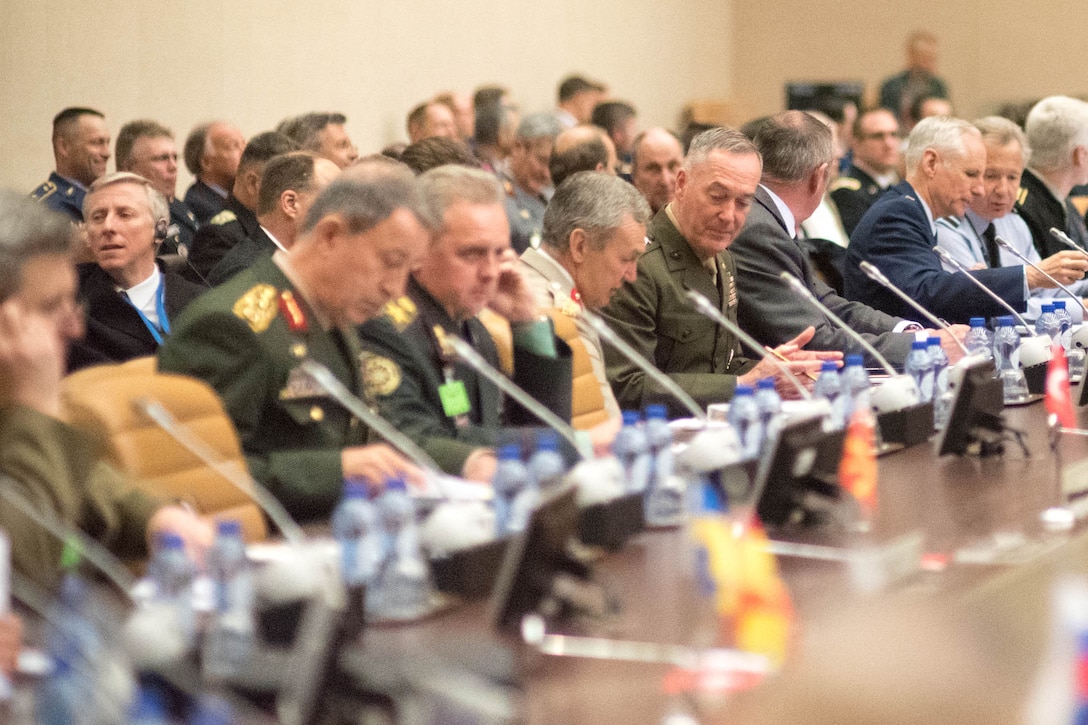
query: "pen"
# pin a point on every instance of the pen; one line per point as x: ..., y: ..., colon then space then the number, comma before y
x: 785, y: 359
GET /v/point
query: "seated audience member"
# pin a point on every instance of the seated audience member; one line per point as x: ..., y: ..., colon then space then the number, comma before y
x: 131, y: 299
x: 945, y: 164
x: 620, y: 121
x: 289, y: 184
x: 594, y: 233
x: 798, y: 155
x: 238, y: 220
x: 495, y: 125
x: 714, y: 191
x: 927, y: 106
x: 431, y: 119
x: 656, y: 158
x: 873, y: 168
x: 248, y: 337
x: 412, y: 374
x: 527, y: 181
x: 577, y: 99
x: 461, y: 106
x: 582, y: 148
x: 322, y: 133
x: 1057, y: 133
x: 972, y: 238
x: 212, y: 154
x: 56, y: 467
x: 147, y: 148
x: 81, y: 148
x: 435, y: 151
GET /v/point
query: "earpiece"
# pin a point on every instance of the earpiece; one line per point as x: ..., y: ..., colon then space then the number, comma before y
x: 160, y: 230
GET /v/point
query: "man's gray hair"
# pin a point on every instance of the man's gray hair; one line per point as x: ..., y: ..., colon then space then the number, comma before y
x: 444, y: 186
x: 999, y: 131
x: 720, y: 138
x: 940, y: 133
x: 304, y: 130
x: 365, y: 201
x: 538, y: 125
x: 28, y: 229
x: 594, y: 202
x: 793, y: 144
x: 1054, y: 127
x: 156, y: 202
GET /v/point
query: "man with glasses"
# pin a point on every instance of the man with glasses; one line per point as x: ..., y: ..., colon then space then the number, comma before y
x: 873, y: 169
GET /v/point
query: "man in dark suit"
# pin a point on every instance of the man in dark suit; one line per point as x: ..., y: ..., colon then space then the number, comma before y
x: 945, y: 162
x: 238, y: 220
x: 797, y: 154
x: 81, y: 148
x: 212, y: 154
x: 130, y: 298
x: 248, y: 337
x: 410, y: 370
x: 872, y: 169
x: 1057, y: 132
x: 289, y: 185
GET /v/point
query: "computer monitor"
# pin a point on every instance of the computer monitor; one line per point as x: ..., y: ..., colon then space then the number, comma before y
x: 535, y: 557
x: 977, y: 406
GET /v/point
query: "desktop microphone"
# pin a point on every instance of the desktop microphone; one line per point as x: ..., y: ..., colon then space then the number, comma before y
x: 473, y: 359
x: 157, y: 413
x: 705, y: 308
x: 877, y: 276
x: 1006, y: 245
x: 671, y: 387
x: 805, y: 292
x: 953, y: 262
x: 1064, y: 239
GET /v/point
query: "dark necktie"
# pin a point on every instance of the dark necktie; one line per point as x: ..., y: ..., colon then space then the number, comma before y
x: 992, y: 252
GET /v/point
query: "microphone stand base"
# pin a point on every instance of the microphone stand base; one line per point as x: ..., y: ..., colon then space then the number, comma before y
x: 908, y: 426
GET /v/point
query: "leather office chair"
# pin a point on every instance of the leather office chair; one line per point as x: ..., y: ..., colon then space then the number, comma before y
x: 100, y: 400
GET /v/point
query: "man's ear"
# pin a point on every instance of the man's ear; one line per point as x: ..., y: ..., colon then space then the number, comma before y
x: 579, y: 246
x: 289, y: 203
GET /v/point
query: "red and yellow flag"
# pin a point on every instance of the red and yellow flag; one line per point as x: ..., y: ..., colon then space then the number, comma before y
x: 857, y: 468
x: 1059, y: 401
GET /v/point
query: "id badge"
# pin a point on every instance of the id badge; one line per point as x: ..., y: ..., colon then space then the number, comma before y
x: 454, y: 398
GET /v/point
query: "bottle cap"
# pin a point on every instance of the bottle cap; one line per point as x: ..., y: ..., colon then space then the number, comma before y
x: 1046, y: 308
x: 742, y: 390
x: 1058, y: 304
x: 919, y: 345
x: 1006, y: 321
x: 765, y: 384
x: 510, y: 452
x: 355, y: 488
x: 170, y: 540
x: 656, y: 412
x: 631, y: 417
x: 978, y: 322
x: 855, y: 359
x: 547, y: 440
x: 829, y: 366
x: 395, y: 483
x: 930, y: 342
x: 228, y: 527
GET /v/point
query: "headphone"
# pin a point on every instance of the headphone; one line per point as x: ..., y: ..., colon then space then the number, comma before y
x: 160, y: 230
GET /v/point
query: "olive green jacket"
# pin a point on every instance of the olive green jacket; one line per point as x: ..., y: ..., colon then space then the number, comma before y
x: 655, y: 316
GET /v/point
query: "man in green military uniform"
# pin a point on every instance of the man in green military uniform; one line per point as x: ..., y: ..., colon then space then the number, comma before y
x: 411, y: 372
x: 248, y: 337
x: 714, y: 191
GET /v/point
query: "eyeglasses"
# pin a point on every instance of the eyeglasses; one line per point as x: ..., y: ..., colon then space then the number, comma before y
x: 880, y: 135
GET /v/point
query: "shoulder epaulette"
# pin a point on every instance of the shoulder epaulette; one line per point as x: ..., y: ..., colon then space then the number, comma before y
x: 401, y: 312
x: 44, y: 191
x: 846, y: 182
x: 258, y: 307
x: 224, y: 217
x: 1022, y: 196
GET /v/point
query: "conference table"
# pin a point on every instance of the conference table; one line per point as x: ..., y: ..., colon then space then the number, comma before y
x: 987, y: 556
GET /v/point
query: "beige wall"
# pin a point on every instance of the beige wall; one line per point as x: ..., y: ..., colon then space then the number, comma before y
x: 256, y: 61
x: 991, y: 50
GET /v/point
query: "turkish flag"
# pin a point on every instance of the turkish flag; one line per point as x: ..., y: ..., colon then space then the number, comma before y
x: 1059, y: 402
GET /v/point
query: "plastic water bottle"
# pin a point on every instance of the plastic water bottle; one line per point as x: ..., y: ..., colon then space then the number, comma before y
x: 148, y: 707
x: 74, y: 644
x: 856, y: 384
x: 632, y: 449
x: 173, y: 572
x: 510, y: 479
x: 829, y: 387
x: 920, y: 368
x: 402, y: 587
x: 744, y: 417
x: 664, y: 500
x: 230, y: 639
x: 942, y: 394
x: 355, y: 526
x: 1007, y: 359
x: 546, y: 465
x: 1073, y: 355
x: 979, y: 340
x: 1048, y: 323
x: 770, y: 407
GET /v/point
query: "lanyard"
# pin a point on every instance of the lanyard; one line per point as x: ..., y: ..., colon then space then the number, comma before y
x: 163, y: 328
